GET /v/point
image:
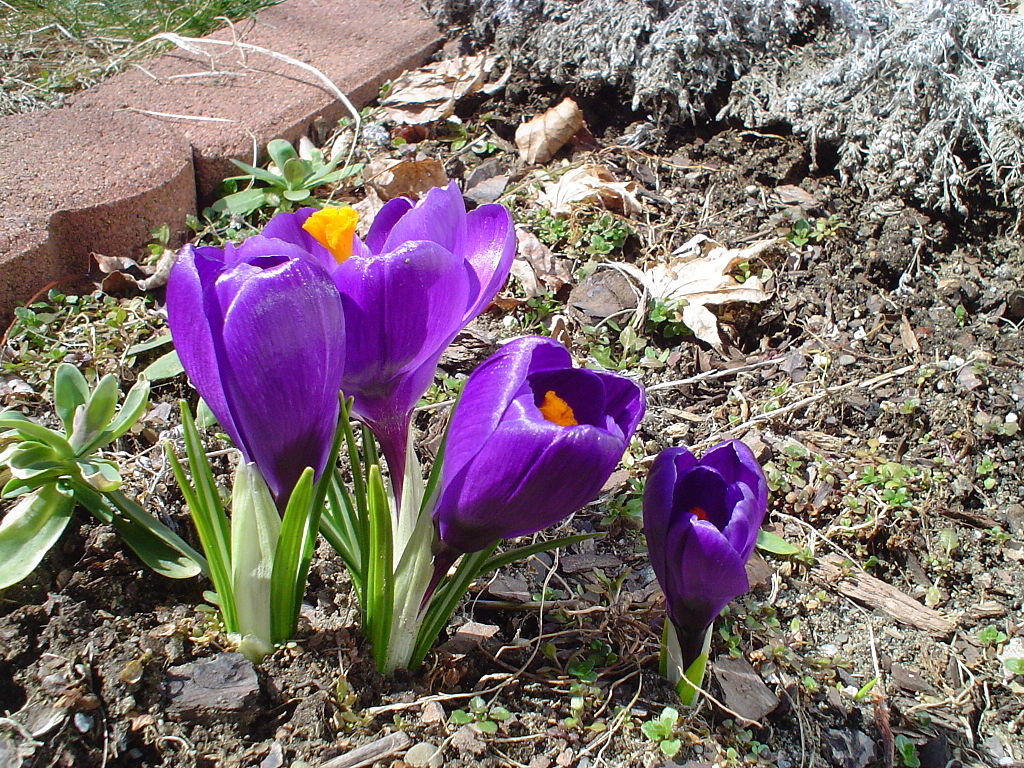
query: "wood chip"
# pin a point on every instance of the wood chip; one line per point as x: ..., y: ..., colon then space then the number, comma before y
x: 908, y: 337
x: 877, y: 594
x: 370, y: 753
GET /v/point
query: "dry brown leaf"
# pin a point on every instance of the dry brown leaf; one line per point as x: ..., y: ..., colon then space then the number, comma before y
x: 536, y: 267
x: 541, y: 137
x: 789, y: 194
x: 700, y: 274
x: 124, y: 273
x: 429, y: 94
x: 405, y: 178
x: 591, y: 183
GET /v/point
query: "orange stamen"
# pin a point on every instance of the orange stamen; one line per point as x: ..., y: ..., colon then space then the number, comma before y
x: 699, y: 513
x: 334, y: 228
x: 557, y: 411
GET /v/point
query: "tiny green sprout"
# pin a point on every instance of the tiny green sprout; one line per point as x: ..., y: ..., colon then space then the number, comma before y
x: 991, y: 635
x: 660, y: 730
x: 997, y: 535
x: 961, y: 315
x: 486, y: 719
x: 948, y: 540
x: 906, y: 752
x: 809, y: 684
x: 863, y: 692
x: 159, y: 239
x: 1014, y: 666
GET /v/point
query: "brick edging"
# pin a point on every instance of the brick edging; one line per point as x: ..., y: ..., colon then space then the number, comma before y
x: 99, y: 174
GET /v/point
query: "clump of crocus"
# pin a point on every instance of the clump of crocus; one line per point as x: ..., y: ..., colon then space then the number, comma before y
x: 531, y: 440
x: 701, y: 520
x: 260, y: 331
x: 423, y: 272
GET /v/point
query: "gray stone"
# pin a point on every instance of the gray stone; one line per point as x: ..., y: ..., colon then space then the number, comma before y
x: 224, y: 686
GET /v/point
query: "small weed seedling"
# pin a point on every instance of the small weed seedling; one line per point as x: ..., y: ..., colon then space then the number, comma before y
x: 991, y: 635
x: 660, y: 730
x: 906, y: 752
x: 485, y: 718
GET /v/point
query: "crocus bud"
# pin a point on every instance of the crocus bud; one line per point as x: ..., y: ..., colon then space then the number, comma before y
x: 531, y: 440
x: 701, y: 520
x: 260, y: 332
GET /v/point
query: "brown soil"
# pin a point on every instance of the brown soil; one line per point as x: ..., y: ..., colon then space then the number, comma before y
x: 914, y: 476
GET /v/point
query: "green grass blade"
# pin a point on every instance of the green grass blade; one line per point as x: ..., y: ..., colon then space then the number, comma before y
x: 207, y: 514
x: 338, y: 526
x: 291, y: 559
x: 444, y: 602
x: 521, y: 553
x: 380, y: 585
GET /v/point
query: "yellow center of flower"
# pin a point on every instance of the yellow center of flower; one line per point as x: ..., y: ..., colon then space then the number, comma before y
x: 557, y: 411
x: 699, y: 513
x: 333, y: 228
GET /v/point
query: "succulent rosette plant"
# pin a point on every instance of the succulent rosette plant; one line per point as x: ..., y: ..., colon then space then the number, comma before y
x: 701, y: 519
x: 260, y: 331
x: 423, y: 272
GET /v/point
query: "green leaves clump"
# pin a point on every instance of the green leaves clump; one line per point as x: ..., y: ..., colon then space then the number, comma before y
x: 53, y: 472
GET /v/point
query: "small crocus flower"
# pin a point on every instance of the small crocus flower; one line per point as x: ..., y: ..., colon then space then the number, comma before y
x: 260, y: 332
x: 701, y: 520
x: 531, y: 440
x: 424, y: 271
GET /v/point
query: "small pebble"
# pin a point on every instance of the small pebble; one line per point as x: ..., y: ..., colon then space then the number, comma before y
x: 422, y: 754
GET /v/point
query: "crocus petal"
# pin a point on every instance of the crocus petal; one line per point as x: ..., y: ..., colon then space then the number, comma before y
x: 701, y: 492
x: 288, y: 227
x: 736, y: 463
x: 582, y: 390
x: 659, y: 493
x: 508, y: 470
x: 710, y: 574
x: 385, y: 221
x: 401, y: 308
x: 283, y: 337
x: 193, y: 272
x: 528, y: 475
x: 495, y: 383
x: 490, y: 247
x: 439, y: 217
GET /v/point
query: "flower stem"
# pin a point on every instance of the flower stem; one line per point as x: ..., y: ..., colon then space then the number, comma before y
x: 684, y: 659
x: 393, y: 436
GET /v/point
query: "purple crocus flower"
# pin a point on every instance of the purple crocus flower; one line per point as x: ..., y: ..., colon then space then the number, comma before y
x: 701, y: 520
x: 424, y: 271
x: 532, y: 440
x: 260, y: 332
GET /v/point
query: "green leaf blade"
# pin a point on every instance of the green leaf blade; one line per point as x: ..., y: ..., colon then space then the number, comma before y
x: 29, y: 530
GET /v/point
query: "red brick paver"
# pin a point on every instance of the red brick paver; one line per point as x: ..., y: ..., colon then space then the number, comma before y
x: 99, y: 174
x: 75, y: 182
x: 357, y: 45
